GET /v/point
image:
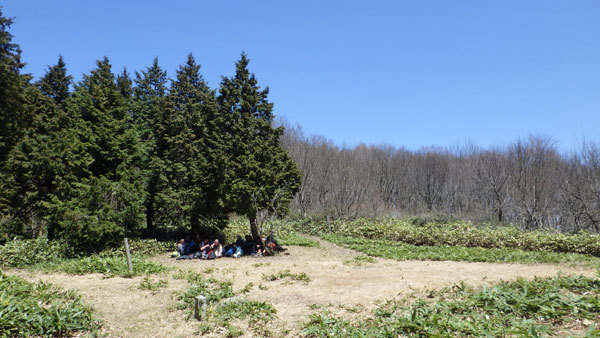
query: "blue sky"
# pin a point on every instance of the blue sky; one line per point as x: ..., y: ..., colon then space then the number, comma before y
x: 410, y: 74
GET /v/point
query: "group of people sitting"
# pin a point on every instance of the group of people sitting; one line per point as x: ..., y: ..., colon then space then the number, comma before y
x: 205, y: 249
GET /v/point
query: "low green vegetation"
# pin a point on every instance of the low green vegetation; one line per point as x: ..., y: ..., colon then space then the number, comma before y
x: 402, y: 251
x: 283, y: 274
x: 465, y: 234
x: 42, y: 309
x: 151, y: 285
x: 109, y: 266
x: 543, y: 306
x: 293, y: 238
x: 223, y: 306
x: 51, y: 256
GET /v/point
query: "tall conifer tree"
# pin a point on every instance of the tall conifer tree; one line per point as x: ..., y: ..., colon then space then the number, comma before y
x: 56, y: 83
x: 260, y: 174
x: 109, y: 203
x: 149, y: 100
x: 182, y: 133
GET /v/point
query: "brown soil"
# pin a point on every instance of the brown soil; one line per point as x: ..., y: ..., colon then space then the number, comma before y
x: 130, y: 312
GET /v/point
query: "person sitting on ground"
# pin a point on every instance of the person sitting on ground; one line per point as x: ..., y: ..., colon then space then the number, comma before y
x: 233, y: 250
x: 204, y: 248
x: 272, y: 243
x: 249, y: 247
x: 179, y: 247
x: 217, y: 248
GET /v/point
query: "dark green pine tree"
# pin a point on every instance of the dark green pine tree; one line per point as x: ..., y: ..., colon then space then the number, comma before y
x: 181, y: 137
x: 49, y: 159
x: 12, y: 116
x: 149, y: 101
x: 109, y: 203
x: 260, y: 174
x: 56, y: 83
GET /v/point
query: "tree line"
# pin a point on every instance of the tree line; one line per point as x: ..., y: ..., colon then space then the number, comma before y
x: 118, y: 155
x: 528, y: 182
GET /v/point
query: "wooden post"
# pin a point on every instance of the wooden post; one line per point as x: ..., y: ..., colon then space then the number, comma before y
x: 329, y: 223
x: 128, y: 255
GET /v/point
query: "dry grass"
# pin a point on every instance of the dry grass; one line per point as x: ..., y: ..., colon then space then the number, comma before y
x: 128, y: 311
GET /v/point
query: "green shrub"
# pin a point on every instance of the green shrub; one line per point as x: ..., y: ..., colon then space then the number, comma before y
x: 41, y: 309
x: 19, y: 253
x: 150, y: 247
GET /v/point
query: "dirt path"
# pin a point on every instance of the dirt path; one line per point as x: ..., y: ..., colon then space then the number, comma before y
x: 131, y: 312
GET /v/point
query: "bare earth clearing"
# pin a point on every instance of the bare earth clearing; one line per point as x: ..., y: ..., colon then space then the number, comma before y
x: 131, y: 312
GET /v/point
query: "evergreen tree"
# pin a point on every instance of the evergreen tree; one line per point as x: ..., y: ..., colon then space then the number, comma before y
x: 48, y: 159
x: 12, y: 84
x: 182, y: 143
x: 260, y: 174
x: 109, y: 202
x: 56, y: 83
x: 149, y: 100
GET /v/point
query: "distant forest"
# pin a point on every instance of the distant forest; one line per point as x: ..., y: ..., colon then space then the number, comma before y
x: 119, y: 154
x: 528, y: 183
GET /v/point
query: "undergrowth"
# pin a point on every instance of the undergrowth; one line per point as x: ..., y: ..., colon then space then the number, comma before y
x: 455, y: 233
x: 402, y: 251
x: 543, y: 306
x: 42, y: 309
x: 53, y: 256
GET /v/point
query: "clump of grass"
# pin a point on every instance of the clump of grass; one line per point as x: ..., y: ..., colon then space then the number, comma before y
x: 283, y: 274
x: 402, y: 251
x: 257, y: 265
x: 41, y: 309
x: 149, y: 284
x: 247, y: 288
x: 360, y: 260
x: 520, y: 308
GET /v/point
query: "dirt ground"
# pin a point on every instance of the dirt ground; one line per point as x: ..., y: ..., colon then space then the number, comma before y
x: 130, y: 312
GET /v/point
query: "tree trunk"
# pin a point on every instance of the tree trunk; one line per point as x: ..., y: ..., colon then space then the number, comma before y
x: 257, y: 237
x: 150, y: 212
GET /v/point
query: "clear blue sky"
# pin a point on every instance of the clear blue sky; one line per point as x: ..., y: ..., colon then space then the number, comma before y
x: 407, y: 73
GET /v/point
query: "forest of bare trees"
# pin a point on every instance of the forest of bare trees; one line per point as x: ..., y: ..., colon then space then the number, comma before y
x: 528, y: 183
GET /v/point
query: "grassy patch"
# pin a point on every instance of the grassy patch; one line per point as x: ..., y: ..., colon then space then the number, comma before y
x: 521, y: 308
x: 52, y: 256
x: 293, y: 238
x: 283, y: 274
x: 41, y: 309
x: 223, y: 310
x: 110, y: 266
x: 402, y: 251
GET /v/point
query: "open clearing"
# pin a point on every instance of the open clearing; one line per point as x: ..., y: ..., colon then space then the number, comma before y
x: 129, y: 311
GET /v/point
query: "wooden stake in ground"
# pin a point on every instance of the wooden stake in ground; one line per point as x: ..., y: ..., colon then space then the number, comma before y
x: 128, y: 255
